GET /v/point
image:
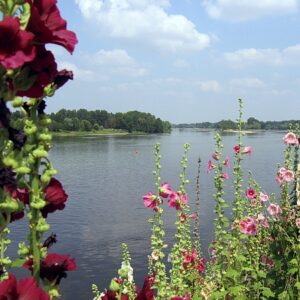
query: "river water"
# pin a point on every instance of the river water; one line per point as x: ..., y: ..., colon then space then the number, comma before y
x: 106, y: 177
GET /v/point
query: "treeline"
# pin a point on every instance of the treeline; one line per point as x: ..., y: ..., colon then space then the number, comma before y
x: 251, y: 123
x: 84, y: 120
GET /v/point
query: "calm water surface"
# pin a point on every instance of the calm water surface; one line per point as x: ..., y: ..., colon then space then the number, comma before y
x: 106, y: 178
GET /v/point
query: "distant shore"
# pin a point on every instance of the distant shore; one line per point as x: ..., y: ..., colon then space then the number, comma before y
x: 91, y: 133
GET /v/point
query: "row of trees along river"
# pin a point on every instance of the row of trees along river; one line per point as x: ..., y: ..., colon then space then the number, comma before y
x: 84, y: 120
x: 251, y: 123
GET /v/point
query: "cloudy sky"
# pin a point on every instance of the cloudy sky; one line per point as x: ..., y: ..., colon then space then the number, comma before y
x: 183, y: 60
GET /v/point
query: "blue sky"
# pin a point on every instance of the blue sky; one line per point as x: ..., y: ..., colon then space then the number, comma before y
x: 183, y: 60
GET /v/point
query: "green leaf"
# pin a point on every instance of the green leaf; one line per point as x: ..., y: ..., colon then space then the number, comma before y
x: 267, y: 292
x: 18, y: 263
x: 297, y: 285
x: 231, y: 273
x: 293, y: 271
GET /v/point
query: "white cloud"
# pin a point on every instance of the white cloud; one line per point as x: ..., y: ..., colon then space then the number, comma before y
x: 271, y: 56
x: 118, y: 62
x: 246, y: 83
x: 209, y: 86
x: 145, y: 21
x: 180, y: 63
x: 80, y: 74
x: 242, y: 10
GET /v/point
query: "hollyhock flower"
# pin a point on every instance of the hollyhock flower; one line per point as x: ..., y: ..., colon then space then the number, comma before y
x: 110, y: 295
x: 274, y: 210
x: 194, y: 216
x: 237, y: 149
x: 55, y: 196
x: 155, y: 254
x: 247, y: 150
x: 263, y: 221
x: 201, y: 264
x: 288, y: 176
x: 16, y: 47
x: 25, y: 289
x: 248, y: 226
x: 62, y: 77
x: 282, y: 171
x: 48, y: 26
x: 263, y: 197
x: 53, y: 267
x: 265, y: 260
x: 174, y: 201
x: 298, y: 222
x: 182, y: 217
x: 7, y: 178
x: 150, y: 200
x: 190, y: 257
x: 216, y: 156
x: 44, y: 69
x: 279, y: 179
x: 210, y: 166
x: 250, y: 193
x: 291, y: 139
x: 225, y: 176
x: 165, y: 190
x: 226, y: 162
x: 18, y: 137
x: 147, y: 293
x: 186, y: 297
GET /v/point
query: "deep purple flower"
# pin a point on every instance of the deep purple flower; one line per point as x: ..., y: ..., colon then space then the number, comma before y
x: 4, y: 115
x: 62, y: 77
x: 7, y: 178
x: 18, y: 137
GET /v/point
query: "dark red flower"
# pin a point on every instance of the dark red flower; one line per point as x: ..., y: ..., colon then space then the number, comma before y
x: 25, y: 289
x: 237, y: 149
x: 53, y: 267
x: 48, y: 26
x: 44, y: 69
x: 147, y: 293
x: 15, y: 44
x: 56, y: 197
x: 62, y: 77
x: 110, y: 295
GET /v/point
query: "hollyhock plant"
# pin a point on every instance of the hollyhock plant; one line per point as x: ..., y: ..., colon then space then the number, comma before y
x: 291, y: 139
x: 53, y: 267
x: 274, y: 210
x: 48, y: 26
x: 17, y: 48
x: 24, y: 289
x: 151, y: 201
x: 55, y: 197
x: 249, y: 226
x: 165, y: 190
x: 250, y: 193
x: 226, y: 162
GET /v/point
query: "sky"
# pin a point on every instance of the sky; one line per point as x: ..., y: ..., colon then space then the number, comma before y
x: 184, y: 61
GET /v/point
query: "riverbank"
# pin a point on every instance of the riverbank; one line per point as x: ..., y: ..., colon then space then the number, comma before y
x: 90, y: 133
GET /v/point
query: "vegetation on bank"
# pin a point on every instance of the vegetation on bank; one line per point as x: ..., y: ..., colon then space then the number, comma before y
x: 251, y: 124
x: 82, y: 120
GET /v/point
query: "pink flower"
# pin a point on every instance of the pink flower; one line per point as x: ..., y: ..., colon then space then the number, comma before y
x: 247, y: 150
x: 291, y: 139
x: 265, y: 260
x: 201, y: 264
x: 225, y: 176
x: 237, y: 149
x: 248, y: 226
x: 263, y: 221
x: 150, y: 200
x: 274, y: 210
x: 176, y: 200
x: 288, y: 176
x: 165, y: 190
x: 263, y: 197
x: 226, y: 162
x: 279, y: 179
x: 210, y: 166
x: 216, y: 156
x: 184, y: 199
x: 298, y: 222
x: 251, y: 193
x: 193, y: 216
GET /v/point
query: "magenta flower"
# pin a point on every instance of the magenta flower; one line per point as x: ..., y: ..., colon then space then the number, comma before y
x: 193, y: 215
x: 225, y: 176
x: 150, y: 200
x: 201, y: 264
x: 165, y: 190
x: 25, y: 289
x: 147, y: 293
x: 210, y: 166
x: 291, y: 139
x: 174, y: 201
x: 186, y: 297
x: 249, y: 226
x: 250, y: 193
x: 226, y: 162
x: 274, y: 210
x: 263, y: 197
x: 247, y: 150
x: 16, y: 45
x: 237, y: 149
x: 298, y: 222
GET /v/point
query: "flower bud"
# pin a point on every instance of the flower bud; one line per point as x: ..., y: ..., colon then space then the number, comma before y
x: 123, y: 272
x: 17, y: 102
x: 45, y: 121
x: 42, y: 225
x: 23, y: 249
x: 45, y: 178
x: 114, y: 286
x: 40, y: 153
x: 23, y: 170
x: 10, y: 162
x: 44, y: 137
x: 38, y: 203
